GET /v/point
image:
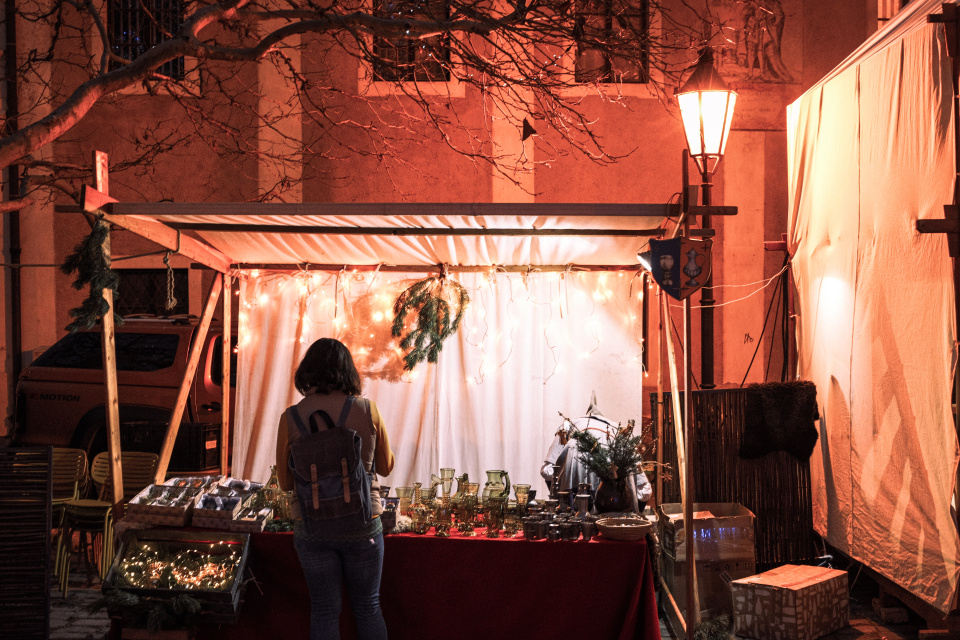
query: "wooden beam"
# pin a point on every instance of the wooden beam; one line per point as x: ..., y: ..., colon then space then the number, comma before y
x: 225, y: 406
x: 949, y: 225
x: 394, y: 209
x: 196, y: 349
x: 404, y: 231
x: 109, y: 347
x: 172, y: 239
x: 431, y: 268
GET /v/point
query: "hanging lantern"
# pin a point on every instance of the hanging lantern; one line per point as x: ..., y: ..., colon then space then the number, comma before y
x: 706, y: 106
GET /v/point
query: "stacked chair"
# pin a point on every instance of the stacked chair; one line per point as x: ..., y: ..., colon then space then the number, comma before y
x: 94, y: 516
x: 68, y: 482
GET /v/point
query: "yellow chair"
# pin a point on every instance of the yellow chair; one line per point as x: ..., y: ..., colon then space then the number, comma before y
x: 95, y: 517
x: 69, y: 480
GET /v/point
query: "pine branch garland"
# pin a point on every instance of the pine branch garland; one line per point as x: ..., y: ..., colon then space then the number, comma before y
x: 619, y: 457
x: 435, y: 319
x: 93, y: 269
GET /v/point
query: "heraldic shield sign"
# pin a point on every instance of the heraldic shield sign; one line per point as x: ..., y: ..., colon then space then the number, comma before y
x: 680, y: 265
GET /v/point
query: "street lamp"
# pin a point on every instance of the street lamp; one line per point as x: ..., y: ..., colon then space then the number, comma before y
x: 706, y: 106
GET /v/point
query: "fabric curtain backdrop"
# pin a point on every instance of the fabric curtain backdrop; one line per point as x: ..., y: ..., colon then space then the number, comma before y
x: 529, y: 345
x: 871, y: 151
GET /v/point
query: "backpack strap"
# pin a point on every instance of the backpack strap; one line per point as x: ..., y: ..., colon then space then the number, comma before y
x: 347, y: 405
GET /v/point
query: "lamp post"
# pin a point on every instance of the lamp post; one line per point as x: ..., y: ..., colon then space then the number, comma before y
x: 706, y: 106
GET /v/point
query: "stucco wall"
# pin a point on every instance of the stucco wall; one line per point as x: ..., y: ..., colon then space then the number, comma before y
x: 817, y: 34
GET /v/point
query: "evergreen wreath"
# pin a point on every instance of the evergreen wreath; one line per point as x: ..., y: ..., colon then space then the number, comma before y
x: 435, y: 319
x: 92, y: 268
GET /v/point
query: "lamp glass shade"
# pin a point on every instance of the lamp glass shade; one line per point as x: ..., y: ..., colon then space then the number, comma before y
x: 706, y: 121
x: 706, y: 106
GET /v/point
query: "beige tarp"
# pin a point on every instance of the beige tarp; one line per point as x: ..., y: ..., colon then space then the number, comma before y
x: 871, y: 151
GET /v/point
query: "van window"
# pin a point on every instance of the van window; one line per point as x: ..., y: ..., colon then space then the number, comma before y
x: 135, y: 351
x: 216, y: 366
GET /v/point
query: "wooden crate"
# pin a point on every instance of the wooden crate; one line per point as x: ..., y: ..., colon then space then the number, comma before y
x: 217, y: 606
x: 139, y: 509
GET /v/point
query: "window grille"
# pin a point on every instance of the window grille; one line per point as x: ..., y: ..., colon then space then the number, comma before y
x: 138, y: 25
x: 399, y: 59
x: 619, y: 22
x: 144, y: 292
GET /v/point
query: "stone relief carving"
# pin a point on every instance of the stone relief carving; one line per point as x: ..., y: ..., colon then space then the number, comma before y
x: 752, y: 40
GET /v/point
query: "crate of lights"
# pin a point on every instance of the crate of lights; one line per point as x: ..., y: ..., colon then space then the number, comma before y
x: 167, y: 578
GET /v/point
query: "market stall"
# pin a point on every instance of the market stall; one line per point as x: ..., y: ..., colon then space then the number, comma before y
x: 555, y: 315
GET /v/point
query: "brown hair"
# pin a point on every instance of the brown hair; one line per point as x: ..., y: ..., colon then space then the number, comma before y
x: 328, y: 366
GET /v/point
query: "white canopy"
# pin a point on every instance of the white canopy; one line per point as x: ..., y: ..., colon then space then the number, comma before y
x: 554, y: 314
x: 872, y: 151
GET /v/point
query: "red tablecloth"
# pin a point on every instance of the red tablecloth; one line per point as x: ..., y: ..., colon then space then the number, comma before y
x: 457, y: 587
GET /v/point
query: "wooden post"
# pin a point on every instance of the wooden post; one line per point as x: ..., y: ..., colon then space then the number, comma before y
x: 109, y: 346
x: 195, y: 350
x: 660, y: 406
x: 225, y: 376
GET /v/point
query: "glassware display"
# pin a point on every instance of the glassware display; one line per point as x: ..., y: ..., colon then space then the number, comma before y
x: 493, y: 516
x: 468, y: 509
x: 522, y: 491
x: 443, y: 515
x: 405, y: 494
x: 419, y: 512
x: 498, y: 484
x: 455, y: 498
x: 511, y: 519
x: 442, y: 518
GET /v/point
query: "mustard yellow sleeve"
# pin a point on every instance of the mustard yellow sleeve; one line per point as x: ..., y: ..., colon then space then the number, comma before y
x: 384, y: 455
x: 284, y: 475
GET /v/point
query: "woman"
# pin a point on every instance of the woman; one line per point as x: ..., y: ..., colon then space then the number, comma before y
x: 327, y: 377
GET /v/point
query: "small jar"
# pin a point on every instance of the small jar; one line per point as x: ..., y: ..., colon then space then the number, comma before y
x: 553, y: 531
x: 589, y: 529
x: 530, y: 529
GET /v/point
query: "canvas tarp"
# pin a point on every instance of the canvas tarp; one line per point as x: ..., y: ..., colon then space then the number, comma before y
x: 532, y: 344
x: 872, y: 151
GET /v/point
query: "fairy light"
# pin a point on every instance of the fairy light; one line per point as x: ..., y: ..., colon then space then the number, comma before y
x: 146, y: 567
x: 576, y: 310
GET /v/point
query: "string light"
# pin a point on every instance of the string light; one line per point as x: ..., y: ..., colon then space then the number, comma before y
x: 326, y: 304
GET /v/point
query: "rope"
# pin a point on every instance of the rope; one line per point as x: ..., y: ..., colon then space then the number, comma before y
x: 171, y: 300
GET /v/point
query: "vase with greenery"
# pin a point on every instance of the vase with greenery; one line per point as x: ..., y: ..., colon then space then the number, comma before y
x: 614, y: 462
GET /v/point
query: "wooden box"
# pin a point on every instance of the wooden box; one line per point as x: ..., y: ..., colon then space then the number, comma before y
x: 180, y: 501
x: 217, y: 605
x: 792, y: 602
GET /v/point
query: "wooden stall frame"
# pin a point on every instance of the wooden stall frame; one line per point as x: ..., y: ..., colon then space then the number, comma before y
x: 140, y: 218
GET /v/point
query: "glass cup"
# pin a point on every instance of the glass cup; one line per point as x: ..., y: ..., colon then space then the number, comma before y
x: 522, y: 491
x: 406, y: 497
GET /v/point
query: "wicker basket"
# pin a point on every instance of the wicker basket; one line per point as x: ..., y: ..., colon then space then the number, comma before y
x: 624, y: 528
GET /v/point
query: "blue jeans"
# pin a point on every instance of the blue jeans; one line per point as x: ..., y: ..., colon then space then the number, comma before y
x: 327, y: 565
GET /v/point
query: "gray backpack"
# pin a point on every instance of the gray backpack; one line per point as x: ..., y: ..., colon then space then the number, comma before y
x: 333, y: 488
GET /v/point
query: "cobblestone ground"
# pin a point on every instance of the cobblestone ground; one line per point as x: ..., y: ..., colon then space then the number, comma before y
x: 70, y: 618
